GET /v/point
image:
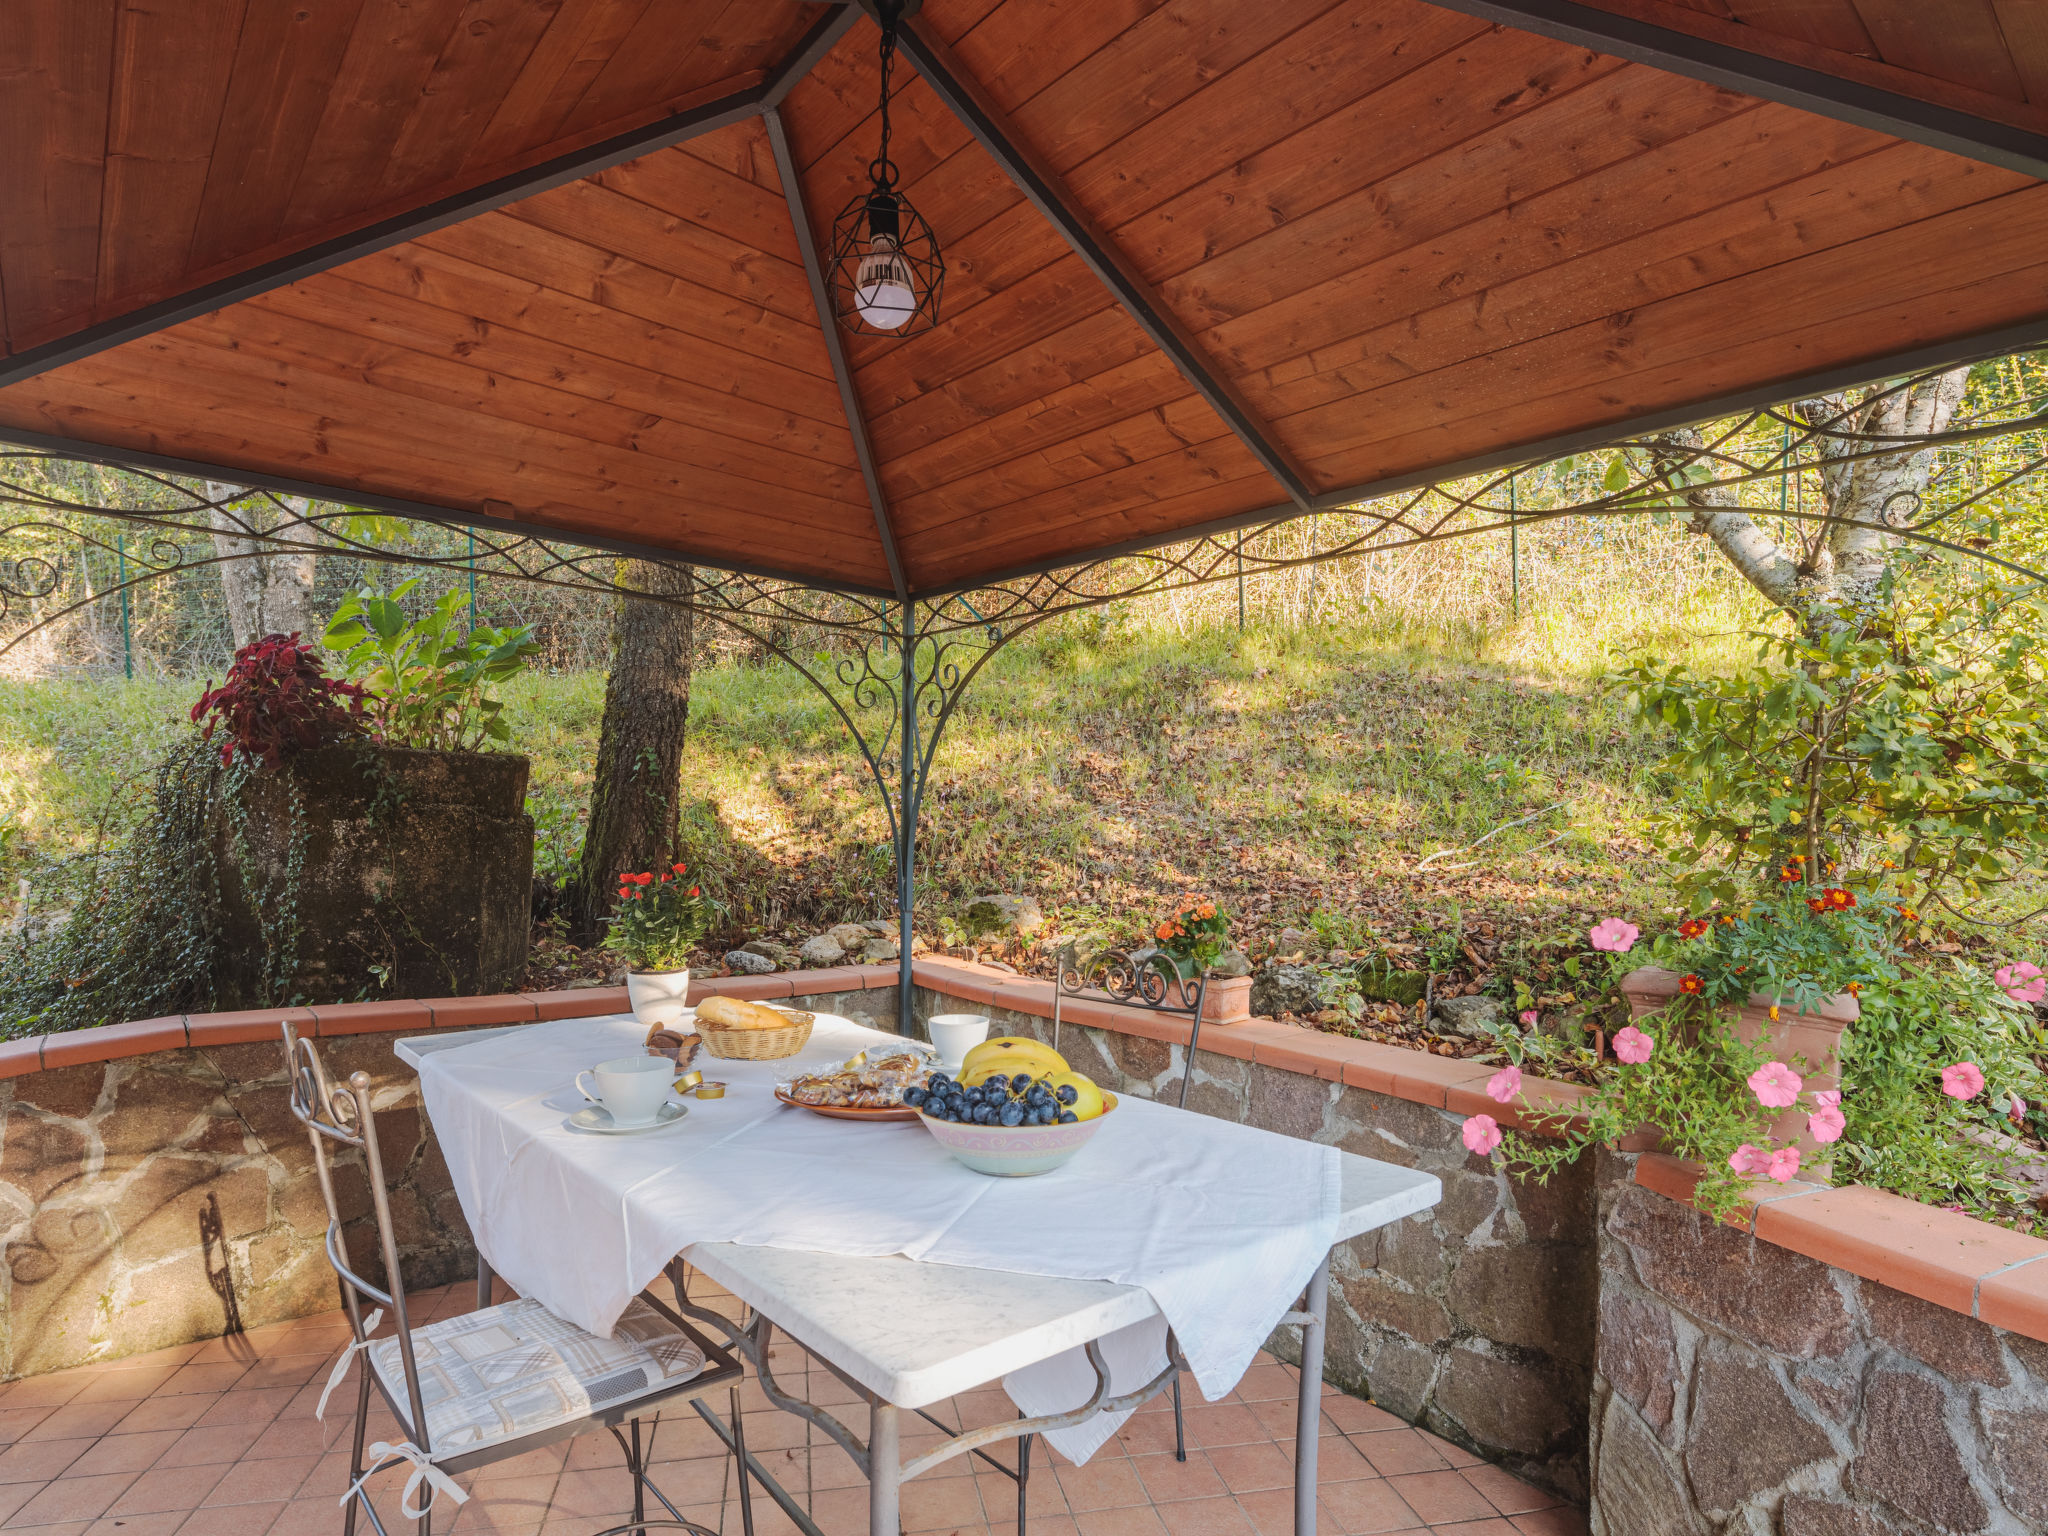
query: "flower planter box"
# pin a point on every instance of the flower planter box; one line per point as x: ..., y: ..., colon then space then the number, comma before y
x: 1228, y: 1000
x: 1810, y: 1042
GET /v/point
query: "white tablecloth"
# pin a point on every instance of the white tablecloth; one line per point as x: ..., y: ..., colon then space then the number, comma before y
x: 1222, y: 1224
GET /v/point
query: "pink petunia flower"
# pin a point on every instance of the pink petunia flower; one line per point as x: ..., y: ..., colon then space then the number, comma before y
x: 1530, y: 1018
x: 1631, y: 1045
x: 1748, y: 1159
x: 1504, y: 1084
x: 1826, y: 1124
x: 1782, y: 1164
x: 1614, y: 936
x: 1963, y: 1080
x: 1775, y: 1085
x: 1827, y: 1098
x: 2023, y: 982
x: 1481, y: 1134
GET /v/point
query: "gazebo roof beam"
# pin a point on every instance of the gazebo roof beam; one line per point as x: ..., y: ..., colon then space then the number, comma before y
x: 835, y: 345
x: 1769, y: 76
x: 398, y: 506
x: 664, y: 133
x: 1044, y: 190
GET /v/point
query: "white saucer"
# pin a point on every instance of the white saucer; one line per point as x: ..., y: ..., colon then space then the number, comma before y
x: 596, y: 1120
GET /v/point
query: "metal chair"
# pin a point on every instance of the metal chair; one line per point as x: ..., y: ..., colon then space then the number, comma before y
x: 500, y: 1380
x: 1142, y: 978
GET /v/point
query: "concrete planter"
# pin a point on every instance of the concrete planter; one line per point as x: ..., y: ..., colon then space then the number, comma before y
x: 1810, y: 1042
x: 360, y: 871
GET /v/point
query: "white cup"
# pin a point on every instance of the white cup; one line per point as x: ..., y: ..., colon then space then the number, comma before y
x: 955, y: 1034
x: 631, y: 1089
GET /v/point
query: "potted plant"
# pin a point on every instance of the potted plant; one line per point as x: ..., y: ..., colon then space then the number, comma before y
x: 1193, y: 939
x: 655, y: 924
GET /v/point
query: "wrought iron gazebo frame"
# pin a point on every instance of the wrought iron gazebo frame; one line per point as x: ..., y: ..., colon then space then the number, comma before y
x: 902, y: 666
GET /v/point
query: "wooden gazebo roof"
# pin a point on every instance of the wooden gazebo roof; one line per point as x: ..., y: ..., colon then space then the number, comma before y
x: 552, y: 262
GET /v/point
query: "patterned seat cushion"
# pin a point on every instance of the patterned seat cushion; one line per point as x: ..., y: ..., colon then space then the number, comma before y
x: 516, y: 1369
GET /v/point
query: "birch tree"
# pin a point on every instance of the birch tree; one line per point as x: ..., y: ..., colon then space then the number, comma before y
x: 267, y: 593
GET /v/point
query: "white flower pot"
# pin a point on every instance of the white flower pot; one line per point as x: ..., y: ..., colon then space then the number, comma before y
x: 658, y: 996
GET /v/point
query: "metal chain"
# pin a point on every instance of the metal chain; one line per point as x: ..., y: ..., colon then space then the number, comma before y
x: 881, y: 169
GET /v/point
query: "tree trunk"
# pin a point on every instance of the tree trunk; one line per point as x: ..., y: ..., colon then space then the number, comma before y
x: 266, y: 594
x: 1821, y: 572
x: 633, y: 807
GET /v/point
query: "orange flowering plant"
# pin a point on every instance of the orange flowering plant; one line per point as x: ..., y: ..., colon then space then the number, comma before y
x: 1195, y: 936
x: 658, y: 919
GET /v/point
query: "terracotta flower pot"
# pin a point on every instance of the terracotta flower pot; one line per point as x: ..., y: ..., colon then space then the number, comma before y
x: 1228, y: 1000
x: 1811, y: 1043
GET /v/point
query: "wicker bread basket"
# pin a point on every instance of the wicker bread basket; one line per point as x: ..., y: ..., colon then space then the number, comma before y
x: 760, y: 1034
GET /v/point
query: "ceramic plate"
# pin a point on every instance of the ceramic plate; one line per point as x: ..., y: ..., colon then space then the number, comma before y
x: 596, y: 1120
x: 844, y: 1112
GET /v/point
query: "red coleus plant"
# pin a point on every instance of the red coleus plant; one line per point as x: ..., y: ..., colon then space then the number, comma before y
x: 276, y: 700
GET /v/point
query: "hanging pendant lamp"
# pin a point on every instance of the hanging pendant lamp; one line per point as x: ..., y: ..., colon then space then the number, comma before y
x: 885, y: 269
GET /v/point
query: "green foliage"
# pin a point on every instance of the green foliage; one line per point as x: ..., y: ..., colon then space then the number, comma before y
x: 1904, y: 1134
x: 1915, y: 740
x: 1195, y: 936
x: 140, y: 940
x: 431, y: 678
x: 655, y: 923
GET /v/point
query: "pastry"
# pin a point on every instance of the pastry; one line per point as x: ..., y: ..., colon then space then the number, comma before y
x: 734, y: 1013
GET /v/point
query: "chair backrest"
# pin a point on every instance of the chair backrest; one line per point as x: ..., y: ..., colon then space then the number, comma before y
x: 337, y: 1119
x: 1141, y: 978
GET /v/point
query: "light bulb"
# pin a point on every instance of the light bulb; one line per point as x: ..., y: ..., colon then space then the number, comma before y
x: 883, y: 294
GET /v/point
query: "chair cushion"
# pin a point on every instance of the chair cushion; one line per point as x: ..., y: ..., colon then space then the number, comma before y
x: 516, y: 1369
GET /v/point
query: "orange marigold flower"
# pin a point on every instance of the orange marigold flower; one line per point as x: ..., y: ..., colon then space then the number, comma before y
x: 1206, y: 910
x: 1788, y: 874
x: 1726, y: 918
x: 1817, y: 903
x: 1691, y: 984
x: 1909, y: 914
x: 1854, y: 988
x: 1693, y: 927
x: 1774, y: 1013
x: 1840, y: 899
x: 1798, y: 858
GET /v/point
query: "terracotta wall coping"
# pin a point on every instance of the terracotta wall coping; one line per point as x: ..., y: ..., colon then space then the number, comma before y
x: 114, y: 1042
x: 1988, y: 1272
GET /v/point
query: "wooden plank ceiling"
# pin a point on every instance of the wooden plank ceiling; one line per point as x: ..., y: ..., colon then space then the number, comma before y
x: 1402, y: 238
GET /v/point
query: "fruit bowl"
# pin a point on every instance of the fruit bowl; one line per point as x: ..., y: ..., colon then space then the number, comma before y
x: 1016, y: 1152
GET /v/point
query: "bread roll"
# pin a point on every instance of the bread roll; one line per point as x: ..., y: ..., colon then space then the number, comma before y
x: 733, y: 1013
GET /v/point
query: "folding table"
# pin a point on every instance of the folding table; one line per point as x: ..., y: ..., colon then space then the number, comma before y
x: 905, y: 1334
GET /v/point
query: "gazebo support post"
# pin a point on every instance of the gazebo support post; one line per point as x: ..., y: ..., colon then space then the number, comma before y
x: 909, y: 797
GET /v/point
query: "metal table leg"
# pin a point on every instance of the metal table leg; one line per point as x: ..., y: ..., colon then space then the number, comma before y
x: 1308, y: 1422
x: 885, y: 1470
x: 483, y: 1282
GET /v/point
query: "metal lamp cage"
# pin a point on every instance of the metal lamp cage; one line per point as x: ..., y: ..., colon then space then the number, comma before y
x: 879, y: 237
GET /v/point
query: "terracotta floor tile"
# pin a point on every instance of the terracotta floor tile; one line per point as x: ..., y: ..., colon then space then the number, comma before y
x: 1369, y: 1505
x: 168, y: 1488
x: 1338, y: 1460
x: 16, y: 1422
x: 51, y: 1391
x: 942, y: 1506
x: 1493, y: 1525
x: 163, y: 1524
x: 14, y: 1495
x: 1441, y: 1497
x: 75, y: 1421
x: 126, y: 1386
x: 510, y: 1502
x: 1272, y: 1513
x: 310, y: 1517
x: 73, y: 1498
x: 164, y: 1413
x: 1137, y: 1520
x: 1356, y: 1416
x: 205, y: 1444
x: 836, y: 1510
x: 1267, y: 1380
x: 1107, y: 1482
x: 1224, y: 1424
x: 217, y: 1377
x: 249, y: 1405
x: 548, y: 1458
x: 234, y: 1520
x: 126, y: 1453
x: 1148, y: 1433
x: 1166, y: 1479
x: 37, y: 1461
x: 1207, y: 1517
x: 1250, y: 1468
x: 295, y: 1437
x: 1506, y: 1492
x: 273, y: 1480
x: 1399, y: 1451
x: 1561, y: 1520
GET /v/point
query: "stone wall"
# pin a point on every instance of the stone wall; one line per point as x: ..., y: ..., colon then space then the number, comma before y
x: 161, y: 1198
x: 1742, y: 1387
x: 1474, y: 1319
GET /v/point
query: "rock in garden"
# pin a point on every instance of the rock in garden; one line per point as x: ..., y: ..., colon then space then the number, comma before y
x: 881, y: 929
x: 747, y: 963
x: 768, y: 949
x: 822, y: 949
x: 1293, y: 941
x: 1231, y: 962
x: 1015, y: 916
x: 1282, y: 988
x: 1381, y: 985
x: 875, y: 951
x: 1476, y: 1018
x: 848, y: 936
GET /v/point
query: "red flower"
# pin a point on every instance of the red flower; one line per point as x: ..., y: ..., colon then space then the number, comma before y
x: 1691, y: 985
x: 1693, y: 927
x: 678, y: 868
x: 647, y: 879
x: 1788, y: 874
x: 1909, y: 915
x: 694, y: 891
x: 1817, y: 903
x: 1854, y: 988
x: 1839, y: 899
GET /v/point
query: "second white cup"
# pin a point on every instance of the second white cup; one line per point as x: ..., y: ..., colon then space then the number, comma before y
x: 631, y: 1089
x: 954, y: 1035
